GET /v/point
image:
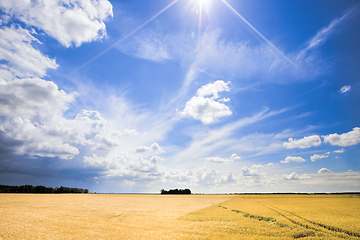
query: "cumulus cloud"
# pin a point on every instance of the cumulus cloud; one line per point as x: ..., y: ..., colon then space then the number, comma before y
x: 292, y: 159
x: 213, y: 89
x: 49, y: 148
x: 200, y: 177
x: 33, y: 96
x: 19, y: 57
x: 155, y: 159
x: 207, y: 176
x: 125, y: 168
x: 315, y: 157
x: 235, y: 157
x: 108, y: 140
x: 70, y: 22
x: 218, y: 160
x: 31, y: 111
x: 324, y: 170
x: 49, y: 135
x: 208, y: 109
x: 253, y: 171
x: 129, y: 132
x: 345, y: 139
x: 153, y: 147
x: 306, y: 142
x: 227, y: 179
x: 295, y: 176
x: 345, y: 89
x: 339, y: 151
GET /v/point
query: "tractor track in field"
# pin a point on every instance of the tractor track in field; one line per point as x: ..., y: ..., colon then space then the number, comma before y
x: 299, y: 221
x: 338, y: 232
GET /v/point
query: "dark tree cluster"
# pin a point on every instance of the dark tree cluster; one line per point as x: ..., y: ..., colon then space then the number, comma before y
x: 40, y: 189
x: 176, y: 191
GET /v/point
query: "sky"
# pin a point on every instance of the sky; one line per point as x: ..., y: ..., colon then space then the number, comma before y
x: 218, y: 96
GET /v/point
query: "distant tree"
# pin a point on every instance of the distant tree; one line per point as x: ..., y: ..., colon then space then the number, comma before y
x: 40, y: 189
x: 176, y: 191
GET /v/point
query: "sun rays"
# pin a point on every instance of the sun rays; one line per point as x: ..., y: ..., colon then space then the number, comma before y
x: 201, y: 6
x: 128, y: 35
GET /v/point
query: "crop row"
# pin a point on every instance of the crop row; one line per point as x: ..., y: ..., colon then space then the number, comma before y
x: 328, y: 227
x: 248, y: 215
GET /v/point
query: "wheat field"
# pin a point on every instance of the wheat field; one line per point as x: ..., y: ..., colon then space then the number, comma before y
x: 118, y: 216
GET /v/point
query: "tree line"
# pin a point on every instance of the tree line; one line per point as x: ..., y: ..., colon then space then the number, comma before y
x: 176, y: 191
x: 40, y: 189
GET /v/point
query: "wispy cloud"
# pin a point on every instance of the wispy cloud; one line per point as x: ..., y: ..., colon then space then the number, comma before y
x: 339, y: 151
x: 321, y: 37
x: 218, y: 160
x: 345, y: 89
x: 206, y: 142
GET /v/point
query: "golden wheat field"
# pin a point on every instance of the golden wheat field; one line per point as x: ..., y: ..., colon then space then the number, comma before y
x: 117, y: 216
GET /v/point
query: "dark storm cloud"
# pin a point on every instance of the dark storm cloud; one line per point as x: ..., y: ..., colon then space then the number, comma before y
x: 7, y: 145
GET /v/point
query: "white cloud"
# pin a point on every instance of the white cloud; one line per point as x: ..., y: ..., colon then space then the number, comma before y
x: 295, y: 176
x: 51, y: 136
x: 206, y: 109
x: 200, y: 177
x: 49, y: 148
x: 21, y: 58
x: 235, y: 157
x: 339, y: 151
x: 108, y: 140
x: 69, y: 22
x: 324, y: 33
x: 324, y: 170
x: 227, y: 59
x: 218, y: 160
x: 345, y: 89
x: 206, y: 143
x: 228, y: 179
x: 345, y: 139
x: 306, y: 142
x: 315, y: 157
x: 33, y: 96
x: 253, y: 171
x: 153, y: 147
x: 213, y: 89
x: 31, y: 111
x: 206, y: 176
x: 155, y: 159
x: 126, y: 169
x: 292, y: 159
x: 150, y: 46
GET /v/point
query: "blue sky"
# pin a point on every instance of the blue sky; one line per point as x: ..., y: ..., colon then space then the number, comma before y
x: 211, y: 95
